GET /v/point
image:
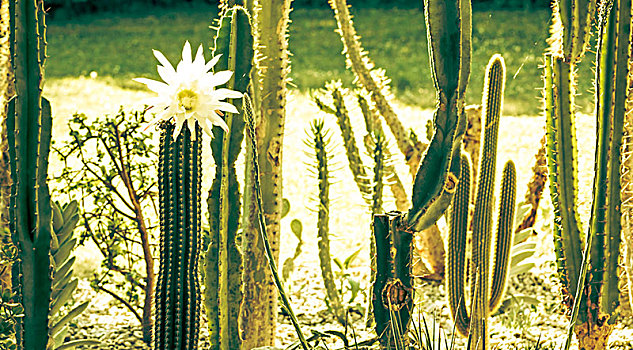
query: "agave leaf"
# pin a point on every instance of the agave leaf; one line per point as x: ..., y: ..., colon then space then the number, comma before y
x: 75, y: 343
x: 519, y: 269
x: 63, y: 296
x: 63, y: 253
x: 68, y: 317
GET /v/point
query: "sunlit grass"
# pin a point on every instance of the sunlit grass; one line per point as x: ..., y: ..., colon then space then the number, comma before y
x: 119, y: 46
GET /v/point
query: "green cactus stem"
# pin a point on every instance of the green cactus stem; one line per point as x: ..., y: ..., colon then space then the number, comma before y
x: 250, y: 122
x: 349, y: 140
x: 438, y: 173
x: 594, y: 297
x: 271, y: 19
x: 29, y: 125
x: 392, y: 292
x: 223, y: 259
x: 319, y: 142
x: 177, y: 302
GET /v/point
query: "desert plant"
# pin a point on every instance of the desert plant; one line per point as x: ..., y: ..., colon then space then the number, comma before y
x: 487, y: 283
x: 259, y: 308
x: 589, y: 279
x: 320, y: 145
x: 30, y: 213
x: 223, y: 259
x: 261, y: 222
x: 63, y: 283
x: 119, y: 202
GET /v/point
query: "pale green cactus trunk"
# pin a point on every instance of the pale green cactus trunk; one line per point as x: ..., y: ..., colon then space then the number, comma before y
x: 259, y: 309
x: 488, y: 282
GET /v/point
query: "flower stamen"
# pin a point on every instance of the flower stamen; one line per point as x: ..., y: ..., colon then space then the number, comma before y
x: 187, y: 99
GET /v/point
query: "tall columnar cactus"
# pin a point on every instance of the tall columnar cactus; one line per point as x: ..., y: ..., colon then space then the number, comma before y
x: 29, y: 125
x: 177, y: 302
x: 594, y: 297
x: 223, y: 260
x: 487, y: 283
x: 259, y: 308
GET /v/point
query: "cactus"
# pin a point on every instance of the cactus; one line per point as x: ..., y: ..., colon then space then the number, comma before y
x: 319, y: 142
x: 261, y: 224
x: 438, y: 173
x: 223, y: 260
x: 486, y: 290
x: 259, y: 308
x: 392, y: 290
x: 177, y: 302
x: 437, y: 176
x: 627, y: 188
x: 594, y: 297
x: 29, y: 125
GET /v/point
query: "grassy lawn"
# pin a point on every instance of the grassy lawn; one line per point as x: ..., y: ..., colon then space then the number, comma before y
x: 119, y: 46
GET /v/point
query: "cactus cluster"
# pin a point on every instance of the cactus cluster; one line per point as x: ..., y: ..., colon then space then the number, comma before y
x: 487, y: 283
x: 588, y: 270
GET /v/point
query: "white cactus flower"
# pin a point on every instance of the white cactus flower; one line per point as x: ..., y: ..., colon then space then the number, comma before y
x: 189, y: 94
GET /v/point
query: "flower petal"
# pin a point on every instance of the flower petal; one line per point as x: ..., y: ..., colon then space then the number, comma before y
x: 186, y: 53
x: 223, y: 93
x: 154, y: 85
x: 217, y: 120
x: 199, y: 60
x: 177, y: 129
x: 222, y: 77
x: 163, y: 60
x: 227, y: 107
x: 212, y: 63
x: 167, y: 74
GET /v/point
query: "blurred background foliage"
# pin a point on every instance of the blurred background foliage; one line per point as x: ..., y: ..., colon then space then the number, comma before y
x: 72, y: 7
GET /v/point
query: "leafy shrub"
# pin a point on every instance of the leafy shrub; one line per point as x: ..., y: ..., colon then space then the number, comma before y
x: 108, y: 164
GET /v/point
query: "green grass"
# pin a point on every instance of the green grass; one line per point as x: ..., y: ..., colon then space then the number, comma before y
x: 119, y: 46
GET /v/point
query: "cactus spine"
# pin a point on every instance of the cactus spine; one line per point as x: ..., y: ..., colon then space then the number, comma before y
x: 223, y: 260
x: 259, y: 308
x: 176, y: 306
x: 594, y: 298
x: 487, y: 283
x: 29, y: 125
